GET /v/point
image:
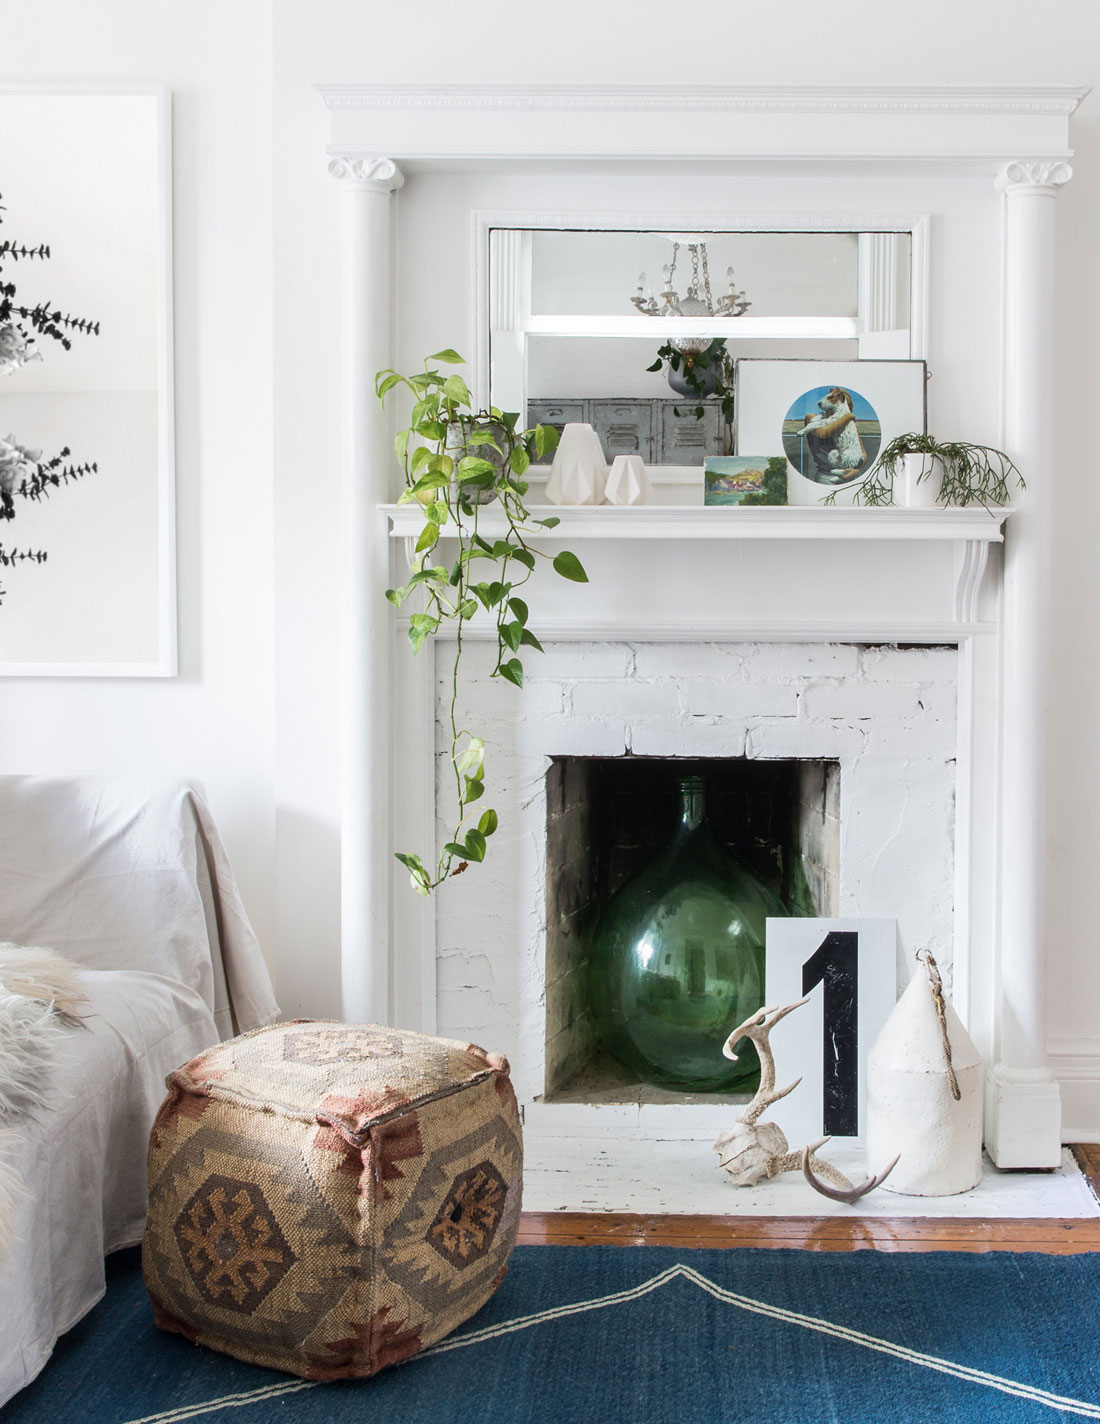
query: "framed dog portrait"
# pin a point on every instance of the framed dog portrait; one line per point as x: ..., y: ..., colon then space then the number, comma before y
x: 831, y: 418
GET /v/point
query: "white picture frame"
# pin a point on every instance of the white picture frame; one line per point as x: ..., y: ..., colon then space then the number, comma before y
x: 774, y: 398
x: 87, y: 171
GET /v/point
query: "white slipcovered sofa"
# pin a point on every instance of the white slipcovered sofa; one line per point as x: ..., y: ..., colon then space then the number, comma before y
x: 130, y: 880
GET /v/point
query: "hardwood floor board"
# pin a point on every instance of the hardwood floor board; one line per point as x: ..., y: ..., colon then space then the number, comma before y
x: 1055, y: 1237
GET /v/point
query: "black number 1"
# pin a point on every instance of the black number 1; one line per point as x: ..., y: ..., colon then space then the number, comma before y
x: 834, y: 964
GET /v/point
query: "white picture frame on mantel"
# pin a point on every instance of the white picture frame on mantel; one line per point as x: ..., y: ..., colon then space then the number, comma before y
x: 878, y: 399
x: 87, y: 172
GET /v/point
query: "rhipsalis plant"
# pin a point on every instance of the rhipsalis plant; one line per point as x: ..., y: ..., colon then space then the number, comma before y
x: 971, y: 474
x: 461, y: 464
x: 24, y: 474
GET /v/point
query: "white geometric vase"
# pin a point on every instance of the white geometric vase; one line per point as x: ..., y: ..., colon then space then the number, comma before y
x: 628, y: 482
x: 911, y: 1111
x: 579, y: 472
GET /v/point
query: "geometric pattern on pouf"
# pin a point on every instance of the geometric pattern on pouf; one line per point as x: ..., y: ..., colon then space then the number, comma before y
x: 329, y: 1198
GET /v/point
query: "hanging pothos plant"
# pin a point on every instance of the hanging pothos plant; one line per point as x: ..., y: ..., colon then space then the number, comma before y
x: 458, y: 464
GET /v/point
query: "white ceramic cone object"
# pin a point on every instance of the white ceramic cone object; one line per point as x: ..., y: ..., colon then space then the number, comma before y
x: 579, y: 472
x: 910, y: 1109
x: 628, y: 482
x: 919, y: 481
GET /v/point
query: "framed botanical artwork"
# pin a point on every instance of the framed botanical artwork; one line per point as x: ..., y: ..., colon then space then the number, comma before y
x: 87, y: 488
x: 744, y: 480
x: 831, y: 418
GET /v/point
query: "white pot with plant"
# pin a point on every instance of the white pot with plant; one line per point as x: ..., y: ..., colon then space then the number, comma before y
x: 463, y: 466
x: 919, y: 471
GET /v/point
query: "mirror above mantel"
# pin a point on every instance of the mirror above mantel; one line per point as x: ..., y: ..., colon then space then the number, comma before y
x: 577, y: 317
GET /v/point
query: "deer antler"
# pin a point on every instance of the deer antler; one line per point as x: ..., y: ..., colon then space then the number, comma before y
x: 757, y: 1028
x: 842, y: 1190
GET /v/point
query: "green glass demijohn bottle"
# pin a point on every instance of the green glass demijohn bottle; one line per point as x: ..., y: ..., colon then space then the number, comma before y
x: 678, y: 960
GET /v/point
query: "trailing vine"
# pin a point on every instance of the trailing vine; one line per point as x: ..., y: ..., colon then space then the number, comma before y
x: 971, y: 474
x: 459, y: 462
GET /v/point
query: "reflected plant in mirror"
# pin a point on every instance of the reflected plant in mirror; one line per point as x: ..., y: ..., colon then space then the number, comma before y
x: 458, y: 463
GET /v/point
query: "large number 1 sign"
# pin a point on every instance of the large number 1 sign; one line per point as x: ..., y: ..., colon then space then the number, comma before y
x: 848, y: 970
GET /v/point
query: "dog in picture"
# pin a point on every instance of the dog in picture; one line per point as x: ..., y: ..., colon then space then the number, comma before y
x: 833, y: 440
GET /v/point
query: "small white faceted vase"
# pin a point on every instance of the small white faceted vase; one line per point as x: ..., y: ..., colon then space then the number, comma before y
x: 628, y: 482
x: 911, y: 1113
x: 579, y: 472
x: 919, y: 482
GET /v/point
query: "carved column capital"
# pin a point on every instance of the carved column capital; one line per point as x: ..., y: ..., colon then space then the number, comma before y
x: 376, y: 175
x: 1034, y: 173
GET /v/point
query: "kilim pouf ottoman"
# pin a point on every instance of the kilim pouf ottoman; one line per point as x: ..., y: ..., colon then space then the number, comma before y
x: 329, y: 1198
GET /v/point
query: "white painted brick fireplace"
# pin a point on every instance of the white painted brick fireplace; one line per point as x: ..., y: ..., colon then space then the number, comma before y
x: 885, y: 715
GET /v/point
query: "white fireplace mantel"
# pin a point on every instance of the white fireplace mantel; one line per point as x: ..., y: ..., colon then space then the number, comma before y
x: 878, y: 150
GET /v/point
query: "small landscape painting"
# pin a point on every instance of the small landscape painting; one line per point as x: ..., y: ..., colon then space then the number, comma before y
x: 745, y: 479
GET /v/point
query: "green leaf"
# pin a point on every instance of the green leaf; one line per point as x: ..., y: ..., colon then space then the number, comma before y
x: 397, y: 596
x: 512, y: 634
x: 385, y: 381
x: 474, y: 465
x: 512, y: 670
x: 656, y: 365
x: 502, y: 549
x: 569, y: 566
x: 488, y: 823
x: 455, y: 389
x: 420, y: 457
x: 429, y: 538
x: 421, y: 627
x: 467, y: 608
x: 475, y: 845
x: 470, y: 761
x: 551, y: 523
x: 546, y: 439
x: 433, y: 575
x: 519, y: 609
x: 431, y: 429
x: 418, y: 876
x: 519, y: 460
x: 456, y: 573
x: 437, y: 511
x: 401, y: 444
x: 530, y: 641
x: 451, y: 357
x: 475, y: 789
x: 497, y: 591
x: 433, y: 480
x: 524, y: 557
x: 482, y: 437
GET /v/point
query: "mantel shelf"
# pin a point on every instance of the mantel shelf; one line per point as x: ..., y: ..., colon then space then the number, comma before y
x: 693, y: 522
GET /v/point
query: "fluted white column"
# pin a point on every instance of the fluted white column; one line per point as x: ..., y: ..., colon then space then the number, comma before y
x: 1024, y: 1125
x: 367, y: 642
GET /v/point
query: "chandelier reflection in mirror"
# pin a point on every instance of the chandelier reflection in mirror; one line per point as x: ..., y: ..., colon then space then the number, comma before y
x: 699, y: 301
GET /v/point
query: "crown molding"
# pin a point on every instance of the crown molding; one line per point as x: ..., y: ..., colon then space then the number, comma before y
x: 1050, y: 100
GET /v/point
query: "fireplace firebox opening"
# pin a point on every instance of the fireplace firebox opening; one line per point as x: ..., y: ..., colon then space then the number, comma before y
x: 607, y: 817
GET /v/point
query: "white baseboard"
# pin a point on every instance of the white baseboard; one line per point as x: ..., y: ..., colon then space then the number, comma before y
x: 1075, y: 1062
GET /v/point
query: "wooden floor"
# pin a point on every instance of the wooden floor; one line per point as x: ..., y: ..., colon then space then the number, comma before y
x: 828, y: 1233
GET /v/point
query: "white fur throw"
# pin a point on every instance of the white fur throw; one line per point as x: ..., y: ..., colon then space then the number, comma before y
x: 38, y: 989
x: 43, y: 975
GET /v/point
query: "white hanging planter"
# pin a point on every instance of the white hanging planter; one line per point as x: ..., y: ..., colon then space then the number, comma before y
x: 579, y: 472
x: 919, y: 481
x: 911, y: 1111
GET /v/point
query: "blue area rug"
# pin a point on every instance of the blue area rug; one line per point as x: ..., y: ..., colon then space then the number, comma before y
x: 650, y: 1335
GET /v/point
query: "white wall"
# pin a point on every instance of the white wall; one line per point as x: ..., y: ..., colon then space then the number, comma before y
x: 499, y: 41
x: 216, y: 720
